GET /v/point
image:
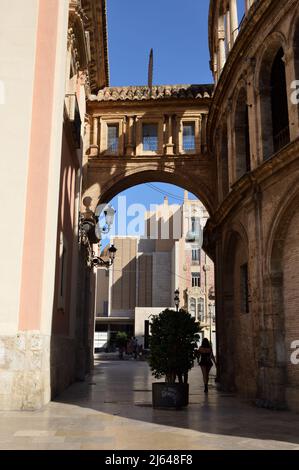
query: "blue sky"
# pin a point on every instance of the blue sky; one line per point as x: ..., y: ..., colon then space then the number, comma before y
x: 177, y: 30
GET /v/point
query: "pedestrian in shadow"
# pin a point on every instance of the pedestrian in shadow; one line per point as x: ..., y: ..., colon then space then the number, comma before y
x: 135, y: 347
x: 206, y: 361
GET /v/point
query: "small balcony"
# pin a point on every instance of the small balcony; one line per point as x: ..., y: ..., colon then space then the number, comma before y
x: 281, y: 139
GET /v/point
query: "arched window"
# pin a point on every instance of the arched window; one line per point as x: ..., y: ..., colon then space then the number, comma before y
x: 279, y: 102
x: 242, y: 142
x: 274, y: 102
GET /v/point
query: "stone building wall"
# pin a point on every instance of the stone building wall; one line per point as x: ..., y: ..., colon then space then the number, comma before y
x: 258, y: 193
x: 290, y: 266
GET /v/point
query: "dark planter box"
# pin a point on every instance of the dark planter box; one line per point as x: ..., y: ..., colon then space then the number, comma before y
x: 166, y: 395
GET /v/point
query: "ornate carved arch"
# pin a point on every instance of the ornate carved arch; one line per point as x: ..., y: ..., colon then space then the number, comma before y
x: 293, y: 27
x: 236, y: 229
x: 266, y: 54
x: 271, y: 139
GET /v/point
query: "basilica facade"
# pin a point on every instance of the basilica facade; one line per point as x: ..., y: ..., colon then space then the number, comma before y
x: 253, y: 131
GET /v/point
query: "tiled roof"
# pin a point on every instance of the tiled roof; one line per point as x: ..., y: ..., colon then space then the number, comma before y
x: 138, y: 93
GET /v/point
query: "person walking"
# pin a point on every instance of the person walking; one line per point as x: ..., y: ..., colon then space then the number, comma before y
x: 135, y: 347
x: 130, y: 347
x: 206, y: 360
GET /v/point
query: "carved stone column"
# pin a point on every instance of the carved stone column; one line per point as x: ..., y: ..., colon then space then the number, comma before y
x: 222, y: 52
x: 230, y: 145
x: 234, y: 23
x: 227, y: 33
x: 252, y: 106
x: 290, y: 69
x: 94, y: 148
x: 130, y: 145
x: 170, y: 145
x: 215, y: 67
x: 203, y: 132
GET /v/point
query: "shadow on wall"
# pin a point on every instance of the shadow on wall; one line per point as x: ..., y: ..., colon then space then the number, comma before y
x: 71, y: 339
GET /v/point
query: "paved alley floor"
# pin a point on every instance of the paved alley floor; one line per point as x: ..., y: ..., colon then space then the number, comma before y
x: 112, y: 410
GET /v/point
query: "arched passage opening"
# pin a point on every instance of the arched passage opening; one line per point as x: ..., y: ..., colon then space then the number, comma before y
x: 154, y: 259
x: 274, y: 101
x: 242, y: 142
x: 194, y: 185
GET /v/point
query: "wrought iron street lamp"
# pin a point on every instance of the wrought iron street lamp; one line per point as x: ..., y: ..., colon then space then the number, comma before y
x: 177, y: 299
x: 90, y: 233
x: 89, y: 223
x: 109, y: 213
x: 100, y: 262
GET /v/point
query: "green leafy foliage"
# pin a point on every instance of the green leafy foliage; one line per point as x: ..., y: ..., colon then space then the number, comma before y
x: 121, y: 339
x: 172, y: 344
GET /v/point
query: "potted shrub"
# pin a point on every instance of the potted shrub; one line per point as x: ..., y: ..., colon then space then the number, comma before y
x: 172, y: 344
x: 121, y: 343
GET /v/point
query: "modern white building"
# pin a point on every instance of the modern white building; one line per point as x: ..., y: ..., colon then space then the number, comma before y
x: 147, y: 270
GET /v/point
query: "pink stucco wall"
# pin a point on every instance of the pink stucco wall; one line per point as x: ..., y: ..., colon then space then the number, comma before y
x: 38, y: 169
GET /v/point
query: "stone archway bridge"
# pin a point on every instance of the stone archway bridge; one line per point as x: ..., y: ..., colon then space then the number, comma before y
x: 135, y: 135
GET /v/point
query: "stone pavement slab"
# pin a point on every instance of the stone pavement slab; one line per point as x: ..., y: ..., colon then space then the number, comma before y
x: 112, y: 410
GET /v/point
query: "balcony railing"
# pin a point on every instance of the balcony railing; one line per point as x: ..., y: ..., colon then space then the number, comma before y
x: 281, y: 139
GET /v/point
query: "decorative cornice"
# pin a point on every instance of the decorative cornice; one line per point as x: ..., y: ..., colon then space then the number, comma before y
x: 95, y: 21
x: 162, y: 92
x: 76, y: 35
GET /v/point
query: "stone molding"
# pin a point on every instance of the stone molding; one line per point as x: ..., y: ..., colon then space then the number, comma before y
x: 95, y: 22
x: 258, y: 176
